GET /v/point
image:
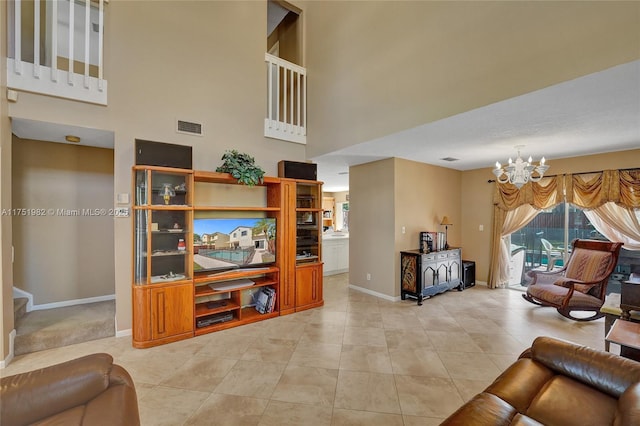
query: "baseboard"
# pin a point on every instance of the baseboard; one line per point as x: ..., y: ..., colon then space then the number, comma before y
x: 5, y: 362
x: 335, y: 272
x: 124, y: 333
x: 74, y: 302
x: 374, y: 293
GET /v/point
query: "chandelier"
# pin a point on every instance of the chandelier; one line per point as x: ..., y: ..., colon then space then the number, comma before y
x: 520, y: 171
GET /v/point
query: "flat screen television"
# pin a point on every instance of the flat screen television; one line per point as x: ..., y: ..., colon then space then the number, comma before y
x: 221, y: 244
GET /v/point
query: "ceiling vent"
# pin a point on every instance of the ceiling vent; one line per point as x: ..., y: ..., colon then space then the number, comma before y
x: 189, y: 128
x: 450, y: 159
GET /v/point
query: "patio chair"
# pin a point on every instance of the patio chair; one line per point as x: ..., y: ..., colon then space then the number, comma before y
x: 552, y: 255
x: 581, y: 285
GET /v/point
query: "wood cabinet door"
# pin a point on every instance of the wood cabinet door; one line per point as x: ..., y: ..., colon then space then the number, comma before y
x: 171, y: 311
x: 287, y: 248
x: 308, y: 285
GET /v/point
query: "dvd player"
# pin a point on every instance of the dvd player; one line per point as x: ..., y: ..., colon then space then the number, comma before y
x: 214, y: 319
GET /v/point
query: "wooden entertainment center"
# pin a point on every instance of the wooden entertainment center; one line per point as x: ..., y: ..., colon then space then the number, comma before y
x: 171, y: 300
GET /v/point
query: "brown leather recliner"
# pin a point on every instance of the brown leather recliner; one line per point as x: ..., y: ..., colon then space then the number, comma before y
x: 558, y: 383
x: 90, y: 390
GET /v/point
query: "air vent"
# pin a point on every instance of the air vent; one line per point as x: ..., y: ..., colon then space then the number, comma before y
x: 343, y: 173
x: 189, y: 128
x: 450, y: 159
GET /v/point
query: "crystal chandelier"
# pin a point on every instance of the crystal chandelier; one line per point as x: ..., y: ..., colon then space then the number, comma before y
x: 520, y: 171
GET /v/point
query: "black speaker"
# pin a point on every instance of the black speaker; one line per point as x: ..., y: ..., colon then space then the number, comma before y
x: 297, y: 170
x: 150, y: 153
x: 468, y: 273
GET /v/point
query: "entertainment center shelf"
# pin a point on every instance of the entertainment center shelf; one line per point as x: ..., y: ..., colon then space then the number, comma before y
x: 235, y: 296
x: 190, y: 279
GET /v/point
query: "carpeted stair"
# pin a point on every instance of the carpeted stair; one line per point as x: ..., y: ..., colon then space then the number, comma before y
x: 53, y: 328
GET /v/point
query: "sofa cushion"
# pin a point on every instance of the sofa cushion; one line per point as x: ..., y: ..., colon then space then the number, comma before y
x: 31, y: 398
x: 565, y: 401
x: 483, y: 409
x: 520, y: 383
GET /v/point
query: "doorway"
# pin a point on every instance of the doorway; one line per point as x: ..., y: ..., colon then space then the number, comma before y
x: 64, y: 262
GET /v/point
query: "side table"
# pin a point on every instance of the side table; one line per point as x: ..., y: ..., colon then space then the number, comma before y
x: 627, y: 335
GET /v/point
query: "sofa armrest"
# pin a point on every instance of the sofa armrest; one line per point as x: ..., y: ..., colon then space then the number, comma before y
x: 31, y: 396
x: 604, y: 371
x: 629, y: 407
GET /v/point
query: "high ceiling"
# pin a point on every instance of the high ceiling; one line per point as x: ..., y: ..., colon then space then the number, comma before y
x: 593, y: 114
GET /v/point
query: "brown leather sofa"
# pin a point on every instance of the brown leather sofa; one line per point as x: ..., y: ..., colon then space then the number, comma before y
x: 558, y: 383
x: 91, y: 390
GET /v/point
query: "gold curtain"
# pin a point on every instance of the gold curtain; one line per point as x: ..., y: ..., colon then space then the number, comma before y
x: 589, y: 191
x: 506, y: 198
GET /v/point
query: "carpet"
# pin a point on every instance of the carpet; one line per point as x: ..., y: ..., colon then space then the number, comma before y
x: 53, y: 328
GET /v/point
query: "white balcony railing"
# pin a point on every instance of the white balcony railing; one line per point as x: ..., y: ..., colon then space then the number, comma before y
x: 55, y: 47
x: 287, y: 100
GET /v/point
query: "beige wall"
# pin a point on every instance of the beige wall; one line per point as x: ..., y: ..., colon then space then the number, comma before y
x: 477, y: 206
x: 387, y: 196
x: 182, y: 63
x: 388, y: 66
x: 61, y: 257
x: 372, y: 226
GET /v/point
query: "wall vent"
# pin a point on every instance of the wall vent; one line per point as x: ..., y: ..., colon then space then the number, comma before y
x: 450, y: 159
x: 189, y: 128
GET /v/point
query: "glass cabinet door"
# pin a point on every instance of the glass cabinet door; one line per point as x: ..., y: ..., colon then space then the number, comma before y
x: 140, y: 239
x: 161, y: 188
x: 162, y: 222
x: 170, y: 245
x: 169, y: 189
x: 308, y: 222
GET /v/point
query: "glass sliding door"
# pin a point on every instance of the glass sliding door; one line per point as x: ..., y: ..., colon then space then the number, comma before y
x: 546, y: 242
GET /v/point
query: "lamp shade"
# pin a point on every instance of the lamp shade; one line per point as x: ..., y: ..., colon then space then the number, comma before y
x: 446, y: 221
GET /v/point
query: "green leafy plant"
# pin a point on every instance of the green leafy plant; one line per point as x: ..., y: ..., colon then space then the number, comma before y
x: 242, y: 167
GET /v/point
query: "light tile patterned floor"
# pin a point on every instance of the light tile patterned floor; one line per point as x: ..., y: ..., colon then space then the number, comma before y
x: 358, y: 360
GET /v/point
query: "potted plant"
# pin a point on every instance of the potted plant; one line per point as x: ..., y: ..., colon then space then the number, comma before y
x: 242, y: 167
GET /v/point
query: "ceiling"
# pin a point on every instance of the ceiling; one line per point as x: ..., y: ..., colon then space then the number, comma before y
x: 589, y: 115
x: 592, y: 114
x: 55, y: 132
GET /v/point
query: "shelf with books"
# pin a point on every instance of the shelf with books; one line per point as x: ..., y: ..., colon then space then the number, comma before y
x: 228, y: 298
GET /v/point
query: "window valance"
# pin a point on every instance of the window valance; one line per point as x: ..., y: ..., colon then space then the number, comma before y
x: 584, y: 190
x: 541, y: 195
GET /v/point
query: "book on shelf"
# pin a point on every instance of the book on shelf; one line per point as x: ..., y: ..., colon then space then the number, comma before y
x: 265, y: 300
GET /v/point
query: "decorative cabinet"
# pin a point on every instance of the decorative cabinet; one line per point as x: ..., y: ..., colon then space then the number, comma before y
x: 302, y: 272
x: 162, y: 269
x: 427, y: 274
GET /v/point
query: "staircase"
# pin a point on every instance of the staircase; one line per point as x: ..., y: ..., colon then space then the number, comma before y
x: 53, y: 328
x: 19, y: 308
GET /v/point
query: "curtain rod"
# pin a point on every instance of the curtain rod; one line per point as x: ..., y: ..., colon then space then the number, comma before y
x: 581, y: 173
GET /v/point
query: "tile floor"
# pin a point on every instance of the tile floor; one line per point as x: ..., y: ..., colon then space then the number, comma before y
x: 358, y: 360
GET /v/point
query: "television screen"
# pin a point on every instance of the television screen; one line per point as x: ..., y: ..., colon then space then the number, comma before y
x: 221, y: 244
